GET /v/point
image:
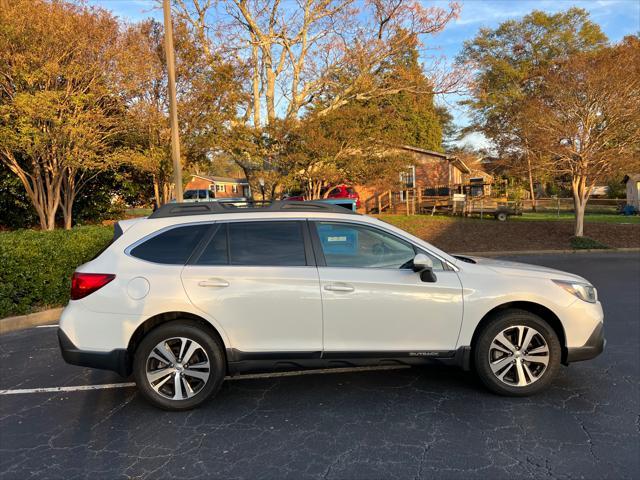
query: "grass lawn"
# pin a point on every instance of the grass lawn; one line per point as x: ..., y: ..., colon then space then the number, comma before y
x: 457, y: 234
x: 568, y: 217
x: 138, y: 212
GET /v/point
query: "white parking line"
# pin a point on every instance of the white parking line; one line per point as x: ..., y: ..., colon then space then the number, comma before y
x: 107, y: 386
x: 47, y: 326
x: 77, y: 388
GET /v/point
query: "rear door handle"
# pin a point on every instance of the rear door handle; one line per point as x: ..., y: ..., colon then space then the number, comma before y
x: 213, y: 282
x: 339, y: 287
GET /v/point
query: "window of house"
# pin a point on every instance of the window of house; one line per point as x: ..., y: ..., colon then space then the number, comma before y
x: 172, y: 246
x: 234, y: 188
x: 220, y: 188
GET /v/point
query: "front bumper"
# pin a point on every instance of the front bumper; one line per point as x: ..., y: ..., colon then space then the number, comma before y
x: 592, y: 348
x: 116, y: 360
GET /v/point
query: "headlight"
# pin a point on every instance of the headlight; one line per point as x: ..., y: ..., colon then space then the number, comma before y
x: 583, y: 291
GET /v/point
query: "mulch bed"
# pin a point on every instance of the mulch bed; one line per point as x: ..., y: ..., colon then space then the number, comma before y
x: 474, y: 235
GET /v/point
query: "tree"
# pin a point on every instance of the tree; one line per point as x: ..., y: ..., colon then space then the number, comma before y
x: 57, y: 114
x: 346, y: 145
x: 292, y: 55
x: 315, y: 55
x: 507, y: 62
x: 207, y: 92
x: 584, y: 121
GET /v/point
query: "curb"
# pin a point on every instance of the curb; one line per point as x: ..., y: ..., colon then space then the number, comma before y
x: 551, y: 252
x: 46, y: 317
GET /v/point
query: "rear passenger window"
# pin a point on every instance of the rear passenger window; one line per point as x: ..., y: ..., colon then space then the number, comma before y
x: 173, y: 246
x: 266, y: 243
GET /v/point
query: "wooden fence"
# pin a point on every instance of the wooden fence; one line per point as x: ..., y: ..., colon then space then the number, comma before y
x: 413, y: 201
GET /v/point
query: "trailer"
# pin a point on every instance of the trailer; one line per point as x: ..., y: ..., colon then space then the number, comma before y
x: 499, y: 208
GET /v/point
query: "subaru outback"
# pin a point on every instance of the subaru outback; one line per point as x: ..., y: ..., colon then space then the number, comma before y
x: 197, y: 292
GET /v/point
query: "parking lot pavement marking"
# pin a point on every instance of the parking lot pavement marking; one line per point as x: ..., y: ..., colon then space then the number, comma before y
x: 77, y: 388
x: 106, y: 386
x: 47, y: 326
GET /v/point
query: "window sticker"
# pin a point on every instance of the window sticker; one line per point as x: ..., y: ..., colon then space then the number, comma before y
x: 337, y: 240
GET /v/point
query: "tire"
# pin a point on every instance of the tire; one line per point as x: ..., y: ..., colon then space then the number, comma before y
x: 502, y: 216
x: 155, y: 368
x: 504, y: 366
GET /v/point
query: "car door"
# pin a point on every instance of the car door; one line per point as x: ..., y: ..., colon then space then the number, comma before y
x: 373, y: 302
x: 259, y: 281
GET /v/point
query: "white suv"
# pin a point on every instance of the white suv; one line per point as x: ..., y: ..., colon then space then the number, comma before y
x: 199, y: 291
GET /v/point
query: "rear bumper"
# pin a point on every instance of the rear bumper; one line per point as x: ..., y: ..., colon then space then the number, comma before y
x: 592, y: 348
x: 116, y: 360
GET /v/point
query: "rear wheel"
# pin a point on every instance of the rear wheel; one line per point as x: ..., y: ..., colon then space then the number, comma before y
x: 178, y: 365
x: 502, y: 216
x: 517, y: 354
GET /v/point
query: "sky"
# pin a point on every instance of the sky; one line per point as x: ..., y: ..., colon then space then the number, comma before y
x: 617, y: 18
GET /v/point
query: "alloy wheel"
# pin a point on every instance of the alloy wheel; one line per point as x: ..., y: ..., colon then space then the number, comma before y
x: 178, y: 368
x: 518, y: 355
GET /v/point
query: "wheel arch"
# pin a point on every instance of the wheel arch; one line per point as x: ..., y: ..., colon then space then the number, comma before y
x: 537, y: 309
x: 162, y: 318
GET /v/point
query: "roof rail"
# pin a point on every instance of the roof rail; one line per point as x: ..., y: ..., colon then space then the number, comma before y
x: 218, y: 207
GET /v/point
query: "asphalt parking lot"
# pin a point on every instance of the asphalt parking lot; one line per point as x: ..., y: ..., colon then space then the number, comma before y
x: 402, y: 423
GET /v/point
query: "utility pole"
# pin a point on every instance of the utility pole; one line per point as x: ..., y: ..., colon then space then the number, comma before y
x: 173, y: 107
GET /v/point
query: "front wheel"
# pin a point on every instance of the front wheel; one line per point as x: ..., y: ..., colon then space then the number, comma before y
x: 178, y: 365
x: 517, y: 354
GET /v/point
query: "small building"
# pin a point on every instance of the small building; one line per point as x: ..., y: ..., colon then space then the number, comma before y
x: 429, y: 169
x: 433, y: 173
x: 633, y: 185
x: 221, y: 187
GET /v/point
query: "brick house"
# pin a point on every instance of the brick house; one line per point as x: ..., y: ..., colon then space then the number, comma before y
x: 221, y: 187
x: 435, y: 172
x: 427, y: 168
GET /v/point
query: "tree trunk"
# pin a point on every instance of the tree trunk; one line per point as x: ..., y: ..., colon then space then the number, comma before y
x: 156, y: 191
x: 329, y: 190
x: 270, y: 91
x: 531, y: 189
x: 256, y: 83
x: 42, y: 185
x: 67, y: 197
x: 580, y: 197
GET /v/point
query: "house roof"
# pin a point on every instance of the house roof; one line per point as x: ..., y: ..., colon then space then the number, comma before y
x: 214, y: 179
x: 455, y: 161
x: 460, y: 164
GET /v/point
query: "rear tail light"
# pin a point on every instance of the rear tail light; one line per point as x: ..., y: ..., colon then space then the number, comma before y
x: 83, y: 284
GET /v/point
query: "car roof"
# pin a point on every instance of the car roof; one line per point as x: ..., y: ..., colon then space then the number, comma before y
x: 216, y: 208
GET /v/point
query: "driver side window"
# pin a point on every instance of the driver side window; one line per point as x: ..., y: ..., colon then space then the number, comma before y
x: 357, y: 246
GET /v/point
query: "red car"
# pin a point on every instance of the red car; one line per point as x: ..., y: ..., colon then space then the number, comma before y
x: 344, y: 191
x: 340, y: 191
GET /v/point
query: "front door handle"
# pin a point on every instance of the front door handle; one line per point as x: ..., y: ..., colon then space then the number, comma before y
x: 339, y: 287
x: 213, y: 282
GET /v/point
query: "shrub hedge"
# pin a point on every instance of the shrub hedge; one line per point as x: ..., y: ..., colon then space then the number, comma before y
x: 586, y: 243
x: 36, y: 266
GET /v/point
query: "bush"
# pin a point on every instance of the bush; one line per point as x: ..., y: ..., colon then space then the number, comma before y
x: 37, y: 266
x: 586, y: 243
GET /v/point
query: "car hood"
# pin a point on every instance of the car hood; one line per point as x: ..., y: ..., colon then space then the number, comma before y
x: 506, y: 267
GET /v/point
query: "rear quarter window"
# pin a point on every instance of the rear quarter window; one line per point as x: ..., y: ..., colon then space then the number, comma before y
x: 173, y: 246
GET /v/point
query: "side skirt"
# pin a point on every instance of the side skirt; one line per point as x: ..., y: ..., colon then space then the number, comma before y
x: 256, y: 362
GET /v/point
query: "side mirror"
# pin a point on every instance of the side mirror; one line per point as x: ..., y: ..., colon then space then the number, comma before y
x: 424, y: 265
